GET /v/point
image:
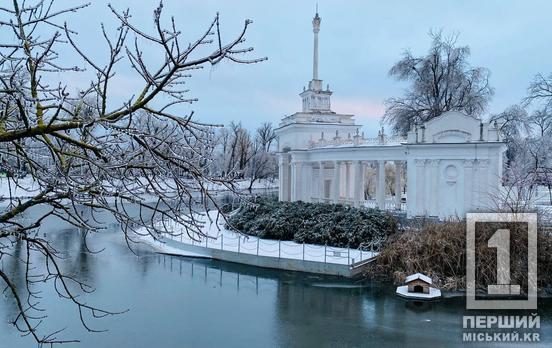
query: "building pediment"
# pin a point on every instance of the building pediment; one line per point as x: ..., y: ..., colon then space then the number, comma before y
x: 453, y: 127
x: 452, y: 136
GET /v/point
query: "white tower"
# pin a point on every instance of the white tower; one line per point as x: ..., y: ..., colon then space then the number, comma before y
x: 314, y: 98
x: 316, y: 120
x: 315, y: 29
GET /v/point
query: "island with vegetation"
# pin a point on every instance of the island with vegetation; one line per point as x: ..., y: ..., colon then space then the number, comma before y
x: 432, y: 247
x: 313, y: 223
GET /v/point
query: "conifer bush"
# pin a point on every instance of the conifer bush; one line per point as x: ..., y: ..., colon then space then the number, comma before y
x: 314, y: 223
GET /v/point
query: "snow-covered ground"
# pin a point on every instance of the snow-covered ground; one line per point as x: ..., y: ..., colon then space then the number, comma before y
x: 244, y: 185
x: 26, y: 187
x: 223, y: 239
x: 163, y: 248
x: 18, y: 188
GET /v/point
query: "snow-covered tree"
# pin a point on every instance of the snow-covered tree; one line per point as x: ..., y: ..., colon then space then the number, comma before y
x: 440, y: 81
x: 530, y: 138
x: 246, y: 156
x: 540, y: 91
x: 514, y: 126
x: 87, y: 149
x: 541, y: 121
x: 235, y: 149
x: 263, y: 163
x: 528, y: 161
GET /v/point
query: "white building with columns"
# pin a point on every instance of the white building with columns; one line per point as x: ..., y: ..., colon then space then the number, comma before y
x: 453, y: 163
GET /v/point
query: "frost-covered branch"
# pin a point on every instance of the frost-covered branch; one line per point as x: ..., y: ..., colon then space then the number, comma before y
x: 68, y: 151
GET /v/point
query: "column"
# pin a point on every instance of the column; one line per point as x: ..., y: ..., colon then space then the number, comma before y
x: 281, y: 178
x: 321, y: 181
x: 380, y: 185
x: 336, y: 181
x: 315, y: 30
x: 411, y: 188
x: 284, y: 190
x: 421, y: 206
x: 357, y: 185
x: 293, y: 181
x: 484, y: 194
x: 398, y: 186
x: 475, y: 185
x: 347, y: 181
x: 297, y: 189
x: 427, y: 188
x: 308, y: 182
x: 434, y: 188
x: 363, y: 180
x: 288, y: 179
x: 299, y: 181
x: 468, y: 185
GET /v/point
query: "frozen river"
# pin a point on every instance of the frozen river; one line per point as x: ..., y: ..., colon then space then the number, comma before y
x: 179, y: 302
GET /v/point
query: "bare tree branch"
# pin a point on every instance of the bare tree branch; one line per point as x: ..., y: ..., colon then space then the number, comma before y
x: 73, y: 151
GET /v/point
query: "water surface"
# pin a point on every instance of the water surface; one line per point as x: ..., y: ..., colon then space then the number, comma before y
x: 179, y: 302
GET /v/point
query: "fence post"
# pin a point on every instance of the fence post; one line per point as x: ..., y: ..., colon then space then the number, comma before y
x: 206, y: 241
x: 348, y: 255
x: 303, y: 251
x: 258, y: 246
x: 239, y: 243
x: 222, y: 242
x: 279, y: 247
x: 180, y: 237
x: 325, y: 252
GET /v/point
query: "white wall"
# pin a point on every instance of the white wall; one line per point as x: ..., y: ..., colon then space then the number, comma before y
x: 448, y: 175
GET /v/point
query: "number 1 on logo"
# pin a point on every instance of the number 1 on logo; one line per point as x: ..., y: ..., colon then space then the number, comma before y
x: 501, y: 241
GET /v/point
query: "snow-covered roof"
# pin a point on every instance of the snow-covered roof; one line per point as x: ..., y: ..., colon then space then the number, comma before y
x: 420, y: 276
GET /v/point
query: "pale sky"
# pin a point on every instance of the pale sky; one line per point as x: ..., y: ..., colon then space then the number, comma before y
x: 359, y: 42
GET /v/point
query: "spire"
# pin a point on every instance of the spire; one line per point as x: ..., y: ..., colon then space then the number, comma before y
x: 315, y: 29
x: 315, y: 98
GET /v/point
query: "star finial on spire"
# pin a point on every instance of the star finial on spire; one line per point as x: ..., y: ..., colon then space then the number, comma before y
x: 316, y: 20
x: 316, y: 16
x: 315, y: 29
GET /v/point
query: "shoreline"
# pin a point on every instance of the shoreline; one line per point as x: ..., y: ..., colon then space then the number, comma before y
x: 462, y: 293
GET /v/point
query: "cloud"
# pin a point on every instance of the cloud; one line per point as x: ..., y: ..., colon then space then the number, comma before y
x: 362, y: 108
x: 368, y: 113
x: 280, y: 104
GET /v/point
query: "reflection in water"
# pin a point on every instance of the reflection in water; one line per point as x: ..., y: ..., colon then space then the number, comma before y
x: 225, y: 276
x: 418, y: 306
x: 13, y: 267
x: 304, y: 308
x: 181, y: 302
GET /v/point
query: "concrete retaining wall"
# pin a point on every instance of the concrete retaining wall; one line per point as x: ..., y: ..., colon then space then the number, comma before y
x: 267, y: 261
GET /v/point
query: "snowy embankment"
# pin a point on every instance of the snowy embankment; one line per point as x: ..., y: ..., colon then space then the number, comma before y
x: 18, y: 188
x: 163, y: 248
x: 220, y: 238
x: 24, y: 188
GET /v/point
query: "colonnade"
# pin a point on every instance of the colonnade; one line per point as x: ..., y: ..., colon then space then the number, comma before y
x: 336, y: 181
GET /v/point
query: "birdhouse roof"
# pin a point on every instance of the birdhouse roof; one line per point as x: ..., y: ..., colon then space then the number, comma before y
x: 420, y: 276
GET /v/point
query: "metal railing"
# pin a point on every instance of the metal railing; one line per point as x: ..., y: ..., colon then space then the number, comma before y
x: 243, y: 244
x: 390, y: 204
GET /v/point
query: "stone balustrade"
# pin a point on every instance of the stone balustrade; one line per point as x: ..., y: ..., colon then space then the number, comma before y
x: 356, y: 140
